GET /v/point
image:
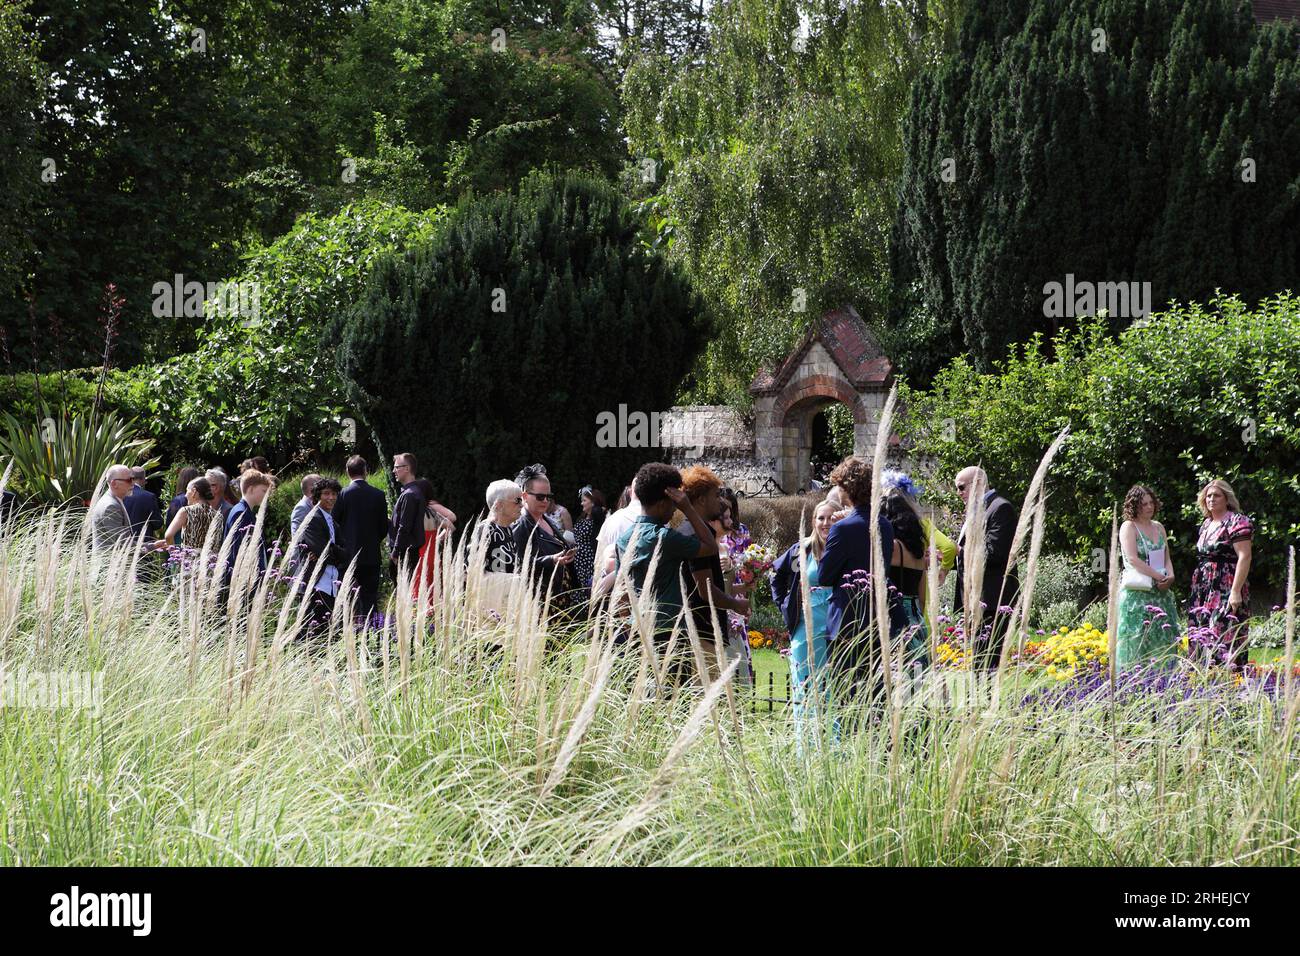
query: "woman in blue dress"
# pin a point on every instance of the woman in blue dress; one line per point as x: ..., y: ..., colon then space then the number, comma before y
x: 808, y: 645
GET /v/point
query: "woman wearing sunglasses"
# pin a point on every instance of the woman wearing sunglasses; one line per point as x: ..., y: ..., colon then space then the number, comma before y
x: 537, y: 534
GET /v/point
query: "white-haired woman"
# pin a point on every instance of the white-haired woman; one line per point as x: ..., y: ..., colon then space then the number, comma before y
x: 505, y: 500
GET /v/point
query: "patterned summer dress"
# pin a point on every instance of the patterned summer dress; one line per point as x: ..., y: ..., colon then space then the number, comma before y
x: 198, y: 518
x: 1147, y: 631
x: 1216, y: 564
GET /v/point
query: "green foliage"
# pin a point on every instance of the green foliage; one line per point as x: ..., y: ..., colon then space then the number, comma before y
x: 272, y: 385
x: 21, y: 78
x: 498, y: 343
x: 420, y: 96
x: 1057, y: 615
x: 778, y: 165
x: 1117, y: 165
x: 149, y: 126
x: 1269, y: 632
x: 60, y: 460
x: 1061, y: 582
x: 26, y: 396
x: 1194, y: 394
x: 1095, y: 614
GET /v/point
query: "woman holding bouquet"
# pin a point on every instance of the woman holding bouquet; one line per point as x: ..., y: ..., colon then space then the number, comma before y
x: 809, y: 645
x: 734, y: 538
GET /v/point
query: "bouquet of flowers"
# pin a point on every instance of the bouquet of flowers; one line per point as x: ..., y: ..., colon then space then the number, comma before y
x: 756, y: 560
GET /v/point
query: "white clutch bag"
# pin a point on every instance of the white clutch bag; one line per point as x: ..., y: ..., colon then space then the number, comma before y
x: 1135, y: 580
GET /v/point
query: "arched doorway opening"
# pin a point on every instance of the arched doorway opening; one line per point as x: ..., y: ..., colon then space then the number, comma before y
x: 819, y: 433
x: 831, y: 440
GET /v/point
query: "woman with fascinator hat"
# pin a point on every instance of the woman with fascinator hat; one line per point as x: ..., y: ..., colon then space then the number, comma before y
x: 536, y: 533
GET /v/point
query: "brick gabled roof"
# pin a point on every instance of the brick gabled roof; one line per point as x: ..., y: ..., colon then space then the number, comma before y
x: 851, y: 346
x: 1267, y: 11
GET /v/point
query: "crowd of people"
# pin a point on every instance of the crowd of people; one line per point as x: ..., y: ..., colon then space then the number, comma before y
x: 695, y: 566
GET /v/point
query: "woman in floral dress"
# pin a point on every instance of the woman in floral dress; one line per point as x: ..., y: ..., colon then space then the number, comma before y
x: 1147, y: 631
x: 1218, y: 612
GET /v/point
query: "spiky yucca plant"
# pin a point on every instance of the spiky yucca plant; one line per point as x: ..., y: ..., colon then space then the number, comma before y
x: 57, y: 460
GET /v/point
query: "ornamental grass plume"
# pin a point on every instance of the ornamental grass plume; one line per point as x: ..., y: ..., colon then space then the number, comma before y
x: 511, y: 735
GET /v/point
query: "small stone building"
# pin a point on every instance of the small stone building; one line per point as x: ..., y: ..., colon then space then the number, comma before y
x: 768, y: 452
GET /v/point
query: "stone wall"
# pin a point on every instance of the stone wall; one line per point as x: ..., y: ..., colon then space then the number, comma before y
x: 721, y: 438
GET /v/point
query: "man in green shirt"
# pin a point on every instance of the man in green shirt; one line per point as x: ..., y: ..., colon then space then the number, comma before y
x: 659, y: 489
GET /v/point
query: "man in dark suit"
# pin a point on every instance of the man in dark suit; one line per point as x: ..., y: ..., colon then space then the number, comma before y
x: 406, y: 530
x: 145, y: 512
x: 361, y: 517
x: 845, y: 564
x: 1000, y: 587
x: 8, y: 508
x: 142, y: 506
x: 254, y: 486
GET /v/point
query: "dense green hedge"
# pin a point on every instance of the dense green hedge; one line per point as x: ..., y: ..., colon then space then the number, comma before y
x: 1115, y: 140
x: 499, y: 343
x: 1197, y: 393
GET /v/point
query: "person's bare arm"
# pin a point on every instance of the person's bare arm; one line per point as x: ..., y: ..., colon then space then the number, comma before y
x: 173, y: 529
x: 704, y: 582
x: 1243, y: 570
x: 708, y: 543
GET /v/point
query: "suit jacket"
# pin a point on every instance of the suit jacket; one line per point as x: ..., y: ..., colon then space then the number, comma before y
x: 848, y: 549
x: 558, y: 578
x: 239, y: 526
x: 176, y: 505
x: 361, y: 517
x: 785, y: 586
x: 314, y: 546
x: 110, y: 525
x: 144, y: 511
x: 1000, y: 517
x: 406, y: 531
x: 300, y: 511
x: 8, y: 506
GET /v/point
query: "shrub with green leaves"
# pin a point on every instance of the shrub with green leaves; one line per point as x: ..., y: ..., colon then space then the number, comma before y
x: 1055, y: 616
x: 498, y: 343
x: 1114, y: 140
x: 1196, y: 393
x: 270, y: 385
x: 1060, y: 582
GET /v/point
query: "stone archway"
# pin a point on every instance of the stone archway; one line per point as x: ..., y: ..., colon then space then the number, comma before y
x: 838, y: 360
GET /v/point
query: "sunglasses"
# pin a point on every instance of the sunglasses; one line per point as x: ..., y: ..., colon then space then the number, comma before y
x: 540, y: 497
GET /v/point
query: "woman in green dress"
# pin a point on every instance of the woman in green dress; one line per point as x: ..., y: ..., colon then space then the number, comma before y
x: 1147, y: 632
